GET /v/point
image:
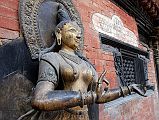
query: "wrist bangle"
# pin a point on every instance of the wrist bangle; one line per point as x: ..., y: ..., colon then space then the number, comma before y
x: 122, y: 92
x: 129, y: 90
x: 82, y: 99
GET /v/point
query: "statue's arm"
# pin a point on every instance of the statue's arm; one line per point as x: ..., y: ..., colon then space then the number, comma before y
x: 47, y: 98
x: 104, y: 95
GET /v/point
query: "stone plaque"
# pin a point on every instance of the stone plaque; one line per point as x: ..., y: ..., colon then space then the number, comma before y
x: 114, y: 27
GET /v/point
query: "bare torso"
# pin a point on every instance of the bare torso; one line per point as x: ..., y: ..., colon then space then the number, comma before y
x: 76, y: 73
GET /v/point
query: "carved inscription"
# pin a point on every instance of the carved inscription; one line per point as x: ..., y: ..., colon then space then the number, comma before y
x: 114, y: 27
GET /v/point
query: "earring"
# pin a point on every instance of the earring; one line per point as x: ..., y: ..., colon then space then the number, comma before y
x: 59, y: 41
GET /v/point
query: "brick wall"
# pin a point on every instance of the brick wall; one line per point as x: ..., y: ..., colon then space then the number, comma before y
x: 92, y: 48
x: 136, y: 107
x: 151, y: 68
x: 9, y: 25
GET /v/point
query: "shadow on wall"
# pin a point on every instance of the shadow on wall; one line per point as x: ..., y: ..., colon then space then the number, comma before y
x: 18, y: 75
x: 15, y: 56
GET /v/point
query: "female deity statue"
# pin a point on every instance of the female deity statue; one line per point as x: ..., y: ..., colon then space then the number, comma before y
x: 76, y: 76
x: 68, y: 68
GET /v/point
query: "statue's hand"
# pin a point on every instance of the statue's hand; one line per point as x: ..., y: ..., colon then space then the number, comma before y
x: 137, y: 88
x: 99, y: 88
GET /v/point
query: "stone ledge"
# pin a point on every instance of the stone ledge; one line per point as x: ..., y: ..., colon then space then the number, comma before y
x: 124, y: 100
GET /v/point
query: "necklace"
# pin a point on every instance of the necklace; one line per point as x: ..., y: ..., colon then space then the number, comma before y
x: 70, y: 57
x: 73, y: 58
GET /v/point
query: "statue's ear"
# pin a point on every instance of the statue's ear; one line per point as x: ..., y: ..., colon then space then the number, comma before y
x: 58, y: 36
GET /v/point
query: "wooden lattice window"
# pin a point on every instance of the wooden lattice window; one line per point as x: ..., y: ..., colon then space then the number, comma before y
x: 130, y: 62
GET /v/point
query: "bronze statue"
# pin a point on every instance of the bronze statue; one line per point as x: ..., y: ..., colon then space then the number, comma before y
x: 81, y: 85
x: 68, y: 68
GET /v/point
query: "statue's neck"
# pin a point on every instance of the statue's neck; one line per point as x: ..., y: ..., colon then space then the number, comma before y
x: 68, y: 50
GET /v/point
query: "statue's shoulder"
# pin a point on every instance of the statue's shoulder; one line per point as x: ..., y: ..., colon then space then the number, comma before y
x: 51, y: 57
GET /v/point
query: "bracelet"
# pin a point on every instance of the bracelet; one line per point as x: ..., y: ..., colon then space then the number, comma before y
x: 122, y: 92
x: 128, y: 89
x: 87, y: 98
x: 82, y: 99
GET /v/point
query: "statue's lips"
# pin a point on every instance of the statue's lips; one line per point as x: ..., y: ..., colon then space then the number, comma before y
x: 77, y: 40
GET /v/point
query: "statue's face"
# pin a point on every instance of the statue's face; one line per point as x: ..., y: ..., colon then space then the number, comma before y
x: 71, y: 34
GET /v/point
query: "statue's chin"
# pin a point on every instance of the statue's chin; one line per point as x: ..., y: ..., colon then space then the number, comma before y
x: 76, y: 46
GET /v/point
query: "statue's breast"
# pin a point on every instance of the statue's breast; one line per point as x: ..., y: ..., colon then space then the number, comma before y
x: 87, y: 74
x: 73, y: 73
x: 67, y: 73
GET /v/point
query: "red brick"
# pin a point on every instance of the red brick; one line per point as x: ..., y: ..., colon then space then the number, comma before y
x: 13, y: 4
x: 94, y: 55
x: 97, y: 1
x: 92, y: 61
x: 91, y: 54
x: 108, y: 57
x: 83, y: 6
x: 99, y: 68
x: 113, y: 84
x: 7, y: 12
x: 9, y: 23
x: 86, y: 2
x: 87, y: 39
x: 95, y: 4
x: 88, y: 30
x: 88, y: 55
x: 98, y: 62
x: 87, y: 48
x: 95, y: 43
x: 4, y: 33
x: 110, y: 68
x: 110, y: 63
x: 84, y: 16
x: 110, y: 75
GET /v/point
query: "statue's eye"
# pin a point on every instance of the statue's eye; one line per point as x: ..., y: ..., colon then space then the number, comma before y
x: 72, y: 30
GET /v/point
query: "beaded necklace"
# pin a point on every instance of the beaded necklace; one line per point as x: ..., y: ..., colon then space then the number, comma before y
x: 73, y: 58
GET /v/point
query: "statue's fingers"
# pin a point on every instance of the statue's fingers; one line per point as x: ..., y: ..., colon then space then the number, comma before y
x: 106, y: 84
x: 138, y: 90
x: 100, y: 80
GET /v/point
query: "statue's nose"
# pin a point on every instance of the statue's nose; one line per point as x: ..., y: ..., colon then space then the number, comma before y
x: 78, y: 36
